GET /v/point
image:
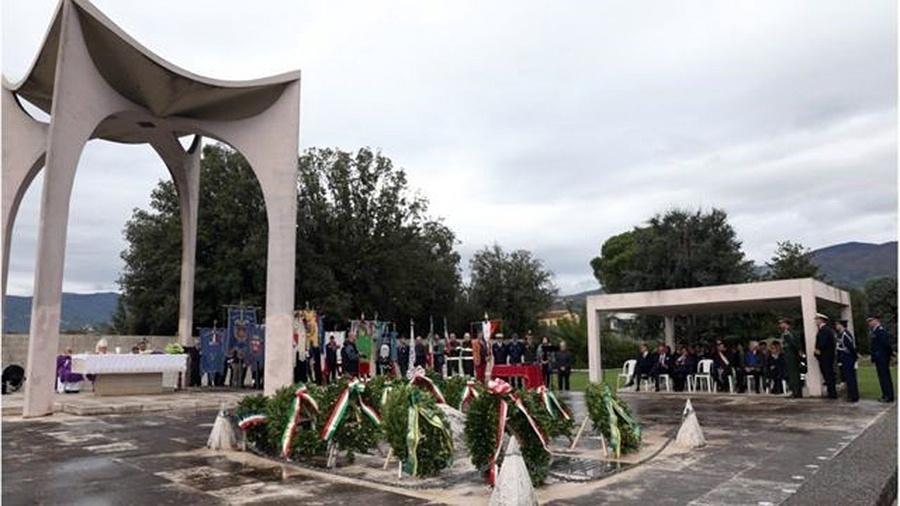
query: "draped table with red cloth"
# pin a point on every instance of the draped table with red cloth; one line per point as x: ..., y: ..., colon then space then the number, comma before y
x: 531, y: 372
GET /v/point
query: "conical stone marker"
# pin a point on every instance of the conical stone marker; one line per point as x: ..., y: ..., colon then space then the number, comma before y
x: 690, y: 435
x: 222, y: 436
x: 513, y: 487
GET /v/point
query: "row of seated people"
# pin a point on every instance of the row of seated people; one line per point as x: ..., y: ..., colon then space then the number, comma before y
x: 731, y: 366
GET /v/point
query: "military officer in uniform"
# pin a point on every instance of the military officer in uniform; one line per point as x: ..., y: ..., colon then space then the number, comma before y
x: 824, y: 352
x: 846, y: 355
x: 881, y: 344
x: 793, y: 348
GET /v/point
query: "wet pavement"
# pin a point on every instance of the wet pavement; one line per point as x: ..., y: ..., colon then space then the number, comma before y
x: 761, y: 450
x: 152, y: 459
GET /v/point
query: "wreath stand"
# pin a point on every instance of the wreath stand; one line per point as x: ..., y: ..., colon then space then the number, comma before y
x: 578, y: 437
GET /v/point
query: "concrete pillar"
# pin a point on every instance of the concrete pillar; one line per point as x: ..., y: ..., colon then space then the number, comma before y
x: 270, y: 143
x: 808, y: 307
x: 185, y: 170
x: 670, y: 331
x: 24, y: 148
x: 81, y: 99
x: 595, y: 365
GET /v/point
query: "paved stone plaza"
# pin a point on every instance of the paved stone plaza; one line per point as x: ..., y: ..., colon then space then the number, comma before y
x: 762, y: 450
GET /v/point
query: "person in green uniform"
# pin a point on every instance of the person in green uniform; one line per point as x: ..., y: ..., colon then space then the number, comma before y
x: 793, y: 349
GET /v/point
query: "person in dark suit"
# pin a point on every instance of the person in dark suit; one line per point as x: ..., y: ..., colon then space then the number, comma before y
x: 846, y: 357
x: 793, y: 350
x: 421, y: 351
x: 723, y: 367
x: 825, y: 347
x: 350, y: 357
x: 684, y: 365
x: 499, y: 350
x: 331, y: 351
x: 643, y: 367
x: 882, y: 348
x: 752, y: 366
x: 563, y: 366
x: 662, y: 364
x: 776, y: 368
x: 402, y: 356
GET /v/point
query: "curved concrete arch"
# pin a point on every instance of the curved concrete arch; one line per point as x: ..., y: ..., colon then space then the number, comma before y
x: 78, y: 78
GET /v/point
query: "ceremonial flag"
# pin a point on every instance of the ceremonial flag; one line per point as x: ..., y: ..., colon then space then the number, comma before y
x: 239, y: 321
x: 212, y: 350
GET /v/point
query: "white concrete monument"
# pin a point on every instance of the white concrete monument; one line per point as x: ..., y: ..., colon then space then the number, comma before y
x: 96, y: 82
x: 690, y: 435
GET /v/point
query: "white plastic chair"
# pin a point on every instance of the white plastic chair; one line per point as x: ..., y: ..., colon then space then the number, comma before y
x: 627, y: 372
x: 704, y: 373
x: 668, y: 381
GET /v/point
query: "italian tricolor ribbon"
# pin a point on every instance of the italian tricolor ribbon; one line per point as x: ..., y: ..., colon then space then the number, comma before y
x: 419, y: 377
x: 551, y: 403
x: 503, y: 390
x: 301, y: 398
x: 339, y: 412
x: 251, y: 421
x: 413, y: 435
x: 469, y: 393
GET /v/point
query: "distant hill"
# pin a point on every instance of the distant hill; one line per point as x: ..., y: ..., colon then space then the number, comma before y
x: 851, y: 264
x: 577, y: 300
x: 78, y: 311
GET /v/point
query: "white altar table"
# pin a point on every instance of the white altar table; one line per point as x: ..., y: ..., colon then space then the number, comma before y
x: 132, y: 373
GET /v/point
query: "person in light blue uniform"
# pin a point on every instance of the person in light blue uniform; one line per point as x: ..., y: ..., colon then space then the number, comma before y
x: 882, y: 348
x: 846, y: 356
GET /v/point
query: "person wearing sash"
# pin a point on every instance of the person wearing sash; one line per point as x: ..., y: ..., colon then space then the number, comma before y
x: 792, y: 351
x: 846, y: 357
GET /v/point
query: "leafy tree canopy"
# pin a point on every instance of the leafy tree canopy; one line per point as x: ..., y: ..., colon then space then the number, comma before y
x: 678, y: 249
x: 514, y: 286
x: 364, y: 244
x: 791, y: 261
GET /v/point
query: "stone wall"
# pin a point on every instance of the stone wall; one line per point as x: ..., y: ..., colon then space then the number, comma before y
x: 15, y: 346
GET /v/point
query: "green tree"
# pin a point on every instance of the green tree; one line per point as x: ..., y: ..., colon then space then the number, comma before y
x: 364, y: 244
x: 881, y: 294
x: 513, y: 286
x: 678, y: 249
x: 791, y: 261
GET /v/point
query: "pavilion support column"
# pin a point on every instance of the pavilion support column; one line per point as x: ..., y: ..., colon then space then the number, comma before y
x: 270, y: 143
x: 24, y: 148
x: 595, y: 366
x: 185, y: 170
x: 670, y: 331
x: 808, y: 309
x: 81, y: 99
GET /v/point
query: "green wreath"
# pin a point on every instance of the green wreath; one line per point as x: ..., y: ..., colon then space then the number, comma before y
x: 255, y: 405
x: 555, y: 424
x: 611, y: 417
x: 453, y: 389
x: 481, y: 434
x: 434, y: 441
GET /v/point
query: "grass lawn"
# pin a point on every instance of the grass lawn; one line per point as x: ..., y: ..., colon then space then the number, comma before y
x: 866, y: 375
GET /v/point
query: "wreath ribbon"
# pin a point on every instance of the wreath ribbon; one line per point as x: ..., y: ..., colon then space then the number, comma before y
x: 301, y: 398
x: 504, y: 391
x: 469, y: 393
x: 353, y: 390
x: 551, y: 403
x: 414, y: 413
x: 419, y: 377
x: 614, y: 412
x: 251, y: 421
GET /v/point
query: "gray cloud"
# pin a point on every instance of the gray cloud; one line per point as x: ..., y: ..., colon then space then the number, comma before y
x: 541, y: 126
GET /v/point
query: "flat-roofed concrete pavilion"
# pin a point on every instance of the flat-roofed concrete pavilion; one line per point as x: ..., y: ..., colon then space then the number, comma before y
x: 809, y: 294
x: 97, y: 82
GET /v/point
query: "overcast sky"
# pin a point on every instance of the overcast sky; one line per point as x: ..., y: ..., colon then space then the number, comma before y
x: 547, y: 126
